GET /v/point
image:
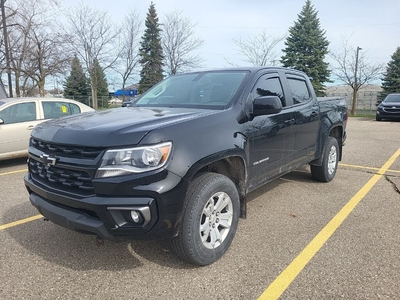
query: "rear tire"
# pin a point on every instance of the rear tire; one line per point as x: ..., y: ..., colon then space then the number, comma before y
x: 326, y: 172
x: 210, y: 219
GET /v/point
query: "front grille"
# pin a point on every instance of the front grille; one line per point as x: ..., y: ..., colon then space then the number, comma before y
x: 66, y: 151
x: 56, y: 176
x: 392, y: 110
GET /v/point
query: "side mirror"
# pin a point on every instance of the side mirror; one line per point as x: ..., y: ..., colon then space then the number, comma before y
x: 266, y: 105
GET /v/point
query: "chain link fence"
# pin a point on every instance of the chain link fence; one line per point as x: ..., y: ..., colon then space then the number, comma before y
x: 103, y: 101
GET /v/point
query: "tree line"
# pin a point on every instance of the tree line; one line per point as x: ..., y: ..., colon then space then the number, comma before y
x: 86, y: 45
x: 36, y: 45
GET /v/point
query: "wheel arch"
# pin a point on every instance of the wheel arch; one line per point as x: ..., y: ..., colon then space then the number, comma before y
x: 231, y: 165
x: 335, y: 131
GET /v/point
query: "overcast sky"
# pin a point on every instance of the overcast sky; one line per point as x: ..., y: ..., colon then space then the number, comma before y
x: 372, y: 25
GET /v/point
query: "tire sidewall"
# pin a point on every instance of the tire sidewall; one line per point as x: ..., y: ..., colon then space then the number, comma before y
x: 194, y: 209
x: 331, y: 142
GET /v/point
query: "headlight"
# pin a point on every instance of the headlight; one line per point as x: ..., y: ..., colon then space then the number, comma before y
x: 117, y: 162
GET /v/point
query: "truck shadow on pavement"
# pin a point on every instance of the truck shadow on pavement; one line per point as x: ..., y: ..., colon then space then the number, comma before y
x: 15, y: 162
x: 300, y: 175
x: 77, y: 251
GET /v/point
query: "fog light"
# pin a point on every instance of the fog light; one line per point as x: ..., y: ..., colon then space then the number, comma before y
x: 135, y: 216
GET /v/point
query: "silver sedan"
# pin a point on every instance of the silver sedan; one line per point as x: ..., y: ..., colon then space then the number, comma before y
x: 18, y: 116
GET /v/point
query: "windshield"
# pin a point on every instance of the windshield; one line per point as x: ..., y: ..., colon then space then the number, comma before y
x: 392, y: 98
x: 212, y: 90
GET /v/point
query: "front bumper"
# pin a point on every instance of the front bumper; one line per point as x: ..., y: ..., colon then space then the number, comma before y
x: 394, y: 115
x: 110, y: 217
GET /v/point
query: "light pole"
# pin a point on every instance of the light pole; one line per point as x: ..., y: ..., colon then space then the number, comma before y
x: 355, y: 87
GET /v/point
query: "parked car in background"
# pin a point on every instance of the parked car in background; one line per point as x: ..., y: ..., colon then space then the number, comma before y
x: 18, y: 116
x: 389, y: 108
x: 129, y: 103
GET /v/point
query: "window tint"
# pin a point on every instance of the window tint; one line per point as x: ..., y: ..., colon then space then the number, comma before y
x: 269, y: 86
x: 74, y: 109
x: 392, y: 98
x: 17, y: 113
x: 59, y: 109
x: 212, y: 90
x: 299, y: 89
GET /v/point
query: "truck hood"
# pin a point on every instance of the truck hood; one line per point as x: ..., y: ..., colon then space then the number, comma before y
x: 114, y: 127
x: 394, y: 104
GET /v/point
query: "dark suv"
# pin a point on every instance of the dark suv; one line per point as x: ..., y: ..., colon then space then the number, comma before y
x: 389, y: 108
x: 129, y: 102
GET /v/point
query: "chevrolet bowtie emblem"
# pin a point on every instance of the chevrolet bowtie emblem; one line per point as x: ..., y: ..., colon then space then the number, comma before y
x: 47, y: 160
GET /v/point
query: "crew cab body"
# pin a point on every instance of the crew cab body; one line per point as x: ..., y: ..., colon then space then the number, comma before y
x: 248, y: 125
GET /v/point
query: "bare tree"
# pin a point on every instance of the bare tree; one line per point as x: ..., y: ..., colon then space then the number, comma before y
x: 47, y: 57
x: 179, y: 42
x: 353, y: 68
x: 35, y: 52
x: 5, y: 42
x: 91, y: 35
x: 258, y: 50
x: 129, y: 45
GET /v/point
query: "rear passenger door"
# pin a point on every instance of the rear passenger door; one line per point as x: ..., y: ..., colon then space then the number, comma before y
x: 270, y: 137
x: 56, y: 109
x: 306, y: 119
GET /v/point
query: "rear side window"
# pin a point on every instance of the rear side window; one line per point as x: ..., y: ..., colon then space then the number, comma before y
x: 299, y: 89
x: 74, y: 109
x: 17, y: 113
x: 59, y: 109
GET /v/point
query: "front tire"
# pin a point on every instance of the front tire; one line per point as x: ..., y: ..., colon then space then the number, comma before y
x: 378, y: 118
x: 326, y: 172
x: 210, y: 219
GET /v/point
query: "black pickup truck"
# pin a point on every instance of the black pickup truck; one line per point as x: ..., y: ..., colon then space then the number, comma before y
x: 180, y: 162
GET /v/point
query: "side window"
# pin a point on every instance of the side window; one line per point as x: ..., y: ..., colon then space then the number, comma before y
x: 74, y: 109
x: 299, y: 89
x: 17, y: 113
x: 269, y: 86
x: 58, y: 109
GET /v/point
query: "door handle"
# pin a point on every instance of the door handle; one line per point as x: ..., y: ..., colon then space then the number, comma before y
x: 30, y: 127
x: 314, y: 114
x: 289, y: 122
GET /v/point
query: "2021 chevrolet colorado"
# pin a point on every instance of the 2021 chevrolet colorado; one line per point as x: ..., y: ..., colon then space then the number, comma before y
x: 180, y: 163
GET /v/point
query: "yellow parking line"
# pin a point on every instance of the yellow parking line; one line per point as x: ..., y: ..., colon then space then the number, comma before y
x: 281, y: 283
x: 367, y: 168
x: 13, y: 172
x: 19, y: 222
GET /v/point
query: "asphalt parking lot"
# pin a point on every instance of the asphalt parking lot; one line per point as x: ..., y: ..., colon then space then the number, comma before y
x: 301, y: 240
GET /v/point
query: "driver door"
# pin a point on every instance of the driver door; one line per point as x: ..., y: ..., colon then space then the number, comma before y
x: 270, y: 137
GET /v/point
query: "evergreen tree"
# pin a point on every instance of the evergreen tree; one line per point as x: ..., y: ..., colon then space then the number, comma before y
x: 101, y: 83
x: 391, y: 78
x: 151, y: 52
x: 77, y: 86
x: 306, y: 48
